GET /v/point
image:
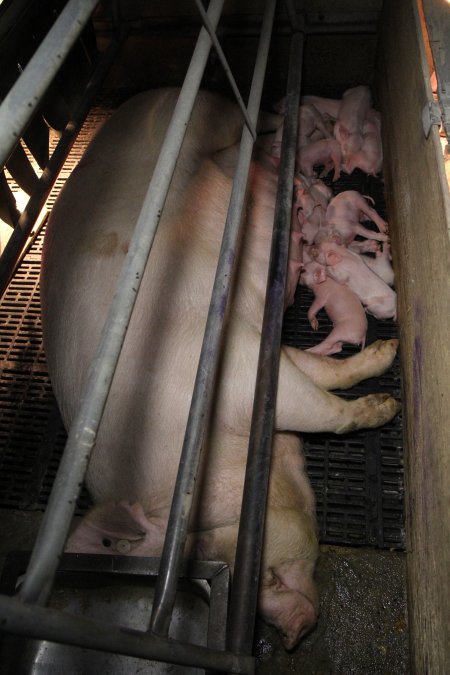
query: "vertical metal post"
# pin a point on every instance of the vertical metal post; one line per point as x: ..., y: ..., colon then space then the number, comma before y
x: 251, y: 530
x: 165, y: 589
x: 82, y: 435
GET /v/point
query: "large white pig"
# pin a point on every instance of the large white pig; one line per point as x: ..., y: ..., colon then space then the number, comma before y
x: 133, y: 466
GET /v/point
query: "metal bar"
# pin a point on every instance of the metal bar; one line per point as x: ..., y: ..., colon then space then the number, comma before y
x: 82, y: 435
x: 218, y: 606
x: 23, y: 99
x: 437, y: 20
x: 57, y: 626
x: 226, y: 67
x: 166, y: 585
x: 251, y: 529
x: 37, y: 200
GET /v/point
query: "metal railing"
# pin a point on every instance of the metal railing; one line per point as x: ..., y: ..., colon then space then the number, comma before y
x: 21, y: 614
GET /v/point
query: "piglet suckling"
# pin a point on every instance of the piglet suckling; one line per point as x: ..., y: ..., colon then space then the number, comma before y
x: 346, y: 211
x: 342, y: 306
x: 347, y: 267
x: 348, y: 130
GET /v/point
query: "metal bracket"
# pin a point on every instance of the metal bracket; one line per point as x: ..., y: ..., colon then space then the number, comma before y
x: 431, y: 115
x: 437, y: 17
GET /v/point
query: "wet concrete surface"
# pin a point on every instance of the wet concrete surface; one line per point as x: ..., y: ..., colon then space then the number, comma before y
x: 362, y: 628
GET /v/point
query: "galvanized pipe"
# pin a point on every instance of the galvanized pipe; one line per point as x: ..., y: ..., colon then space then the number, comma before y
x: 82, y: 435
x: 226, y: 67
x: 197, y: 424
x: 22, y: 100
x: 57, y: 626
x: 251, y: 529
x: 21, y: 232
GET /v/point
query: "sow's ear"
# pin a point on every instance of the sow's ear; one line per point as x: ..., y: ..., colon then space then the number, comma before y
x: 288, y: 600
x: 116, y: 528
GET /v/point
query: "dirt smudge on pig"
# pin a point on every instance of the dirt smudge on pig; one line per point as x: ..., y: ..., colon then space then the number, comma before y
x: 103, y: 244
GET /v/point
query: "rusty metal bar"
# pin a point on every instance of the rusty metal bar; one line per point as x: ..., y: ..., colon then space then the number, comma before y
x: 251, y: 127
x: 57, y: 626
x: 251, y: 529
x: 82, y: 434
x: 22, y: 100
x: 209, y: 357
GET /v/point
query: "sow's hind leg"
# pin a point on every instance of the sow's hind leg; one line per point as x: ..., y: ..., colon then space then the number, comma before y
x: 330, y: 373
x: 302, y: 405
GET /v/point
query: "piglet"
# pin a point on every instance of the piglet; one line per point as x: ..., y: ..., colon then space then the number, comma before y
x: 381, y: 263
x: 310, y: 122
x: 369, y: 157
x: 311, y: 201
x: 347, y: 267
x: 346, y: 210
x: 353, y: 110
x: 342, y: 306
x: 328, y: 107
x: 320, y: 192
x: 326, y: 152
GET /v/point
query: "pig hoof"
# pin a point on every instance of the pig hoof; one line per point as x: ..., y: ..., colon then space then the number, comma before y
x: 376, y: 358
x: 370, y: 411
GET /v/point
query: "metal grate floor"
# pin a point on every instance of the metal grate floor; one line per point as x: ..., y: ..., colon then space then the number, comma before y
x: 358, y: 478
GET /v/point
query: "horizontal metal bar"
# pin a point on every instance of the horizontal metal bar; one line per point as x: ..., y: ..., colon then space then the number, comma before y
x: 22, y: 100
x: 28, y: 218
x: 82, y: 435
x: 251, y: 528
x: 202, y: 397
x: 98, y: 565
x: 226, y: 67
x: 57, y: 626
x: 250, y: 25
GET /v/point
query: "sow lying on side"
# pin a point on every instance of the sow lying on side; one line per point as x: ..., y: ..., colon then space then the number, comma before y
x: 134, y: 463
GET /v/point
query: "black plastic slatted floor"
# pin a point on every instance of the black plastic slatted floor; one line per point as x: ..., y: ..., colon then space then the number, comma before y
x: 358, y: 478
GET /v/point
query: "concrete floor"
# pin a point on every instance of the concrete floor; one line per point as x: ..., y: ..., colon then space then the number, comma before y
x: 362, y: 629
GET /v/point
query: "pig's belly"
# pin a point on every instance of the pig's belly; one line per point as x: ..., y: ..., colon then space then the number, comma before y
x: 140, y: 437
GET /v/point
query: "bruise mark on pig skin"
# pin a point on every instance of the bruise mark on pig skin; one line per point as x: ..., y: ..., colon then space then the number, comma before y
x: 103, y: 244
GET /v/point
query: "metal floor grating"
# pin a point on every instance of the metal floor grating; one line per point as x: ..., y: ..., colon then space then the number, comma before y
x: 358, y: 478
